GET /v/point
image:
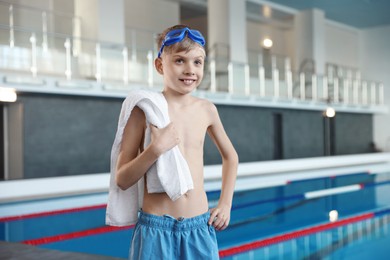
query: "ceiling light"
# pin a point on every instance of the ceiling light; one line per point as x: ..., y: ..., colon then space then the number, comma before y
x: 267, y: 43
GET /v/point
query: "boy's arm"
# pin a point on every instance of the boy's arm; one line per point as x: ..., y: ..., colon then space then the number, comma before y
x: 220, y: 216
x: 131, y: 164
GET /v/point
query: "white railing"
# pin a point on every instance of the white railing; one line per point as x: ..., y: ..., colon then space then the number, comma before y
x: 72, y: 59
x: 97, y: 61
x: 281, y: 83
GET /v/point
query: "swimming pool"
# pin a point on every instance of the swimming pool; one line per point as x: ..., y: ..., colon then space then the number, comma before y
x: 282, y: 222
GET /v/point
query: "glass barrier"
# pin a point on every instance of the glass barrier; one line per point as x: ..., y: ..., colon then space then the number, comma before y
x: 119, y: 65
x: 18, y: 56
x: 38, y: 20
x: 139, y: 39
x: 338, y: 71
x: 250, y: 79
x: 220, y: 51
x: 206, y: 84
x: 238, y: 78
x: 270, y: 62
x: 74, y: 58
x: 219, y: 75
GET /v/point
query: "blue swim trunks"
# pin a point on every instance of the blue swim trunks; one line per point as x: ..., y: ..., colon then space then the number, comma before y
x: 164, y: 237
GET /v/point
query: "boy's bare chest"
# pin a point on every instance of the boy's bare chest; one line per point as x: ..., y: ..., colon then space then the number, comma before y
x: 191, y: 126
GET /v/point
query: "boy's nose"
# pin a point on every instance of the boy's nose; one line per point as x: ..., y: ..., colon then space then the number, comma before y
x: 189, y: 70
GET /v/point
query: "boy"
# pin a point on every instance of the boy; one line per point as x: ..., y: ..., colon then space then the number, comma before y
x: 184, y: 228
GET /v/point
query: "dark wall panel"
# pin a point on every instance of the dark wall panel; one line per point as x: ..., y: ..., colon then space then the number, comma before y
x: 249, y: 130
x: 302, y: 134
x: 67, y: 135
x: 353, y: 134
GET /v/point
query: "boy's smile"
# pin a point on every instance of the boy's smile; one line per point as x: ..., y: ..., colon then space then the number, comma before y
x: 187, y: 81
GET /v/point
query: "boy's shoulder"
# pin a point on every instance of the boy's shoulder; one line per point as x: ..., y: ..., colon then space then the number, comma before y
x: 204, y: 104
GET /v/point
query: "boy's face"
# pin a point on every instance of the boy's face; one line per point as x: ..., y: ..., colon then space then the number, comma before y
x: 182, y: 71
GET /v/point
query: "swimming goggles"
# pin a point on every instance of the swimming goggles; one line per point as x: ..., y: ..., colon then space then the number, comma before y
x: 178, y: 35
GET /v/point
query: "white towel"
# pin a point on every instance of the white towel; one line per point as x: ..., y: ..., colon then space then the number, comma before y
x: 170, y: 173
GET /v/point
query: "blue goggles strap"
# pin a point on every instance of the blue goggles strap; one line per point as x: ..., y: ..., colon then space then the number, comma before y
x: 178, y: 35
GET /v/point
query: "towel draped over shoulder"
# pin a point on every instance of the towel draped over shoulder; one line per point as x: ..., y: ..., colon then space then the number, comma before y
x: 170, y: 173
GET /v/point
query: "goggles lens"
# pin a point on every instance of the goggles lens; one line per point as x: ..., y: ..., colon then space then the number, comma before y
x: 178, y: 35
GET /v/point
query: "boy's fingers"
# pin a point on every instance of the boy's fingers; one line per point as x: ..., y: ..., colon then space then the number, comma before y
x: 223, y: 227
x: 220, y: 222
x: 213, y: 216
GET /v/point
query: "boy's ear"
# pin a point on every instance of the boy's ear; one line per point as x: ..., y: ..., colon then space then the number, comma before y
x: 159, y: 66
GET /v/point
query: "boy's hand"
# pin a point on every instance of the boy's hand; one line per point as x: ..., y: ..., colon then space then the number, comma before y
x: 220, y: 217
x: 164, y: 139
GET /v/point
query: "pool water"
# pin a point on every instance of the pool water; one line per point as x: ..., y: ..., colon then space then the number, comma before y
x: 369, y: 239
x: 260, y: 220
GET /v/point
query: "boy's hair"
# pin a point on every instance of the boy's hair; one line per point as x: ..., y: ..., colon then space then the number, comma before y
x: 185, y: 45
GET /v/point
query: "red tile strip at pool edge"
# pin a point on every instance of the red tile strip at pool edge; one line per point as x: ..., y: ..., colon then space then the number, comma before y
x: 288, y: 236
x: 51, y: 213
x: 89, y: 232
